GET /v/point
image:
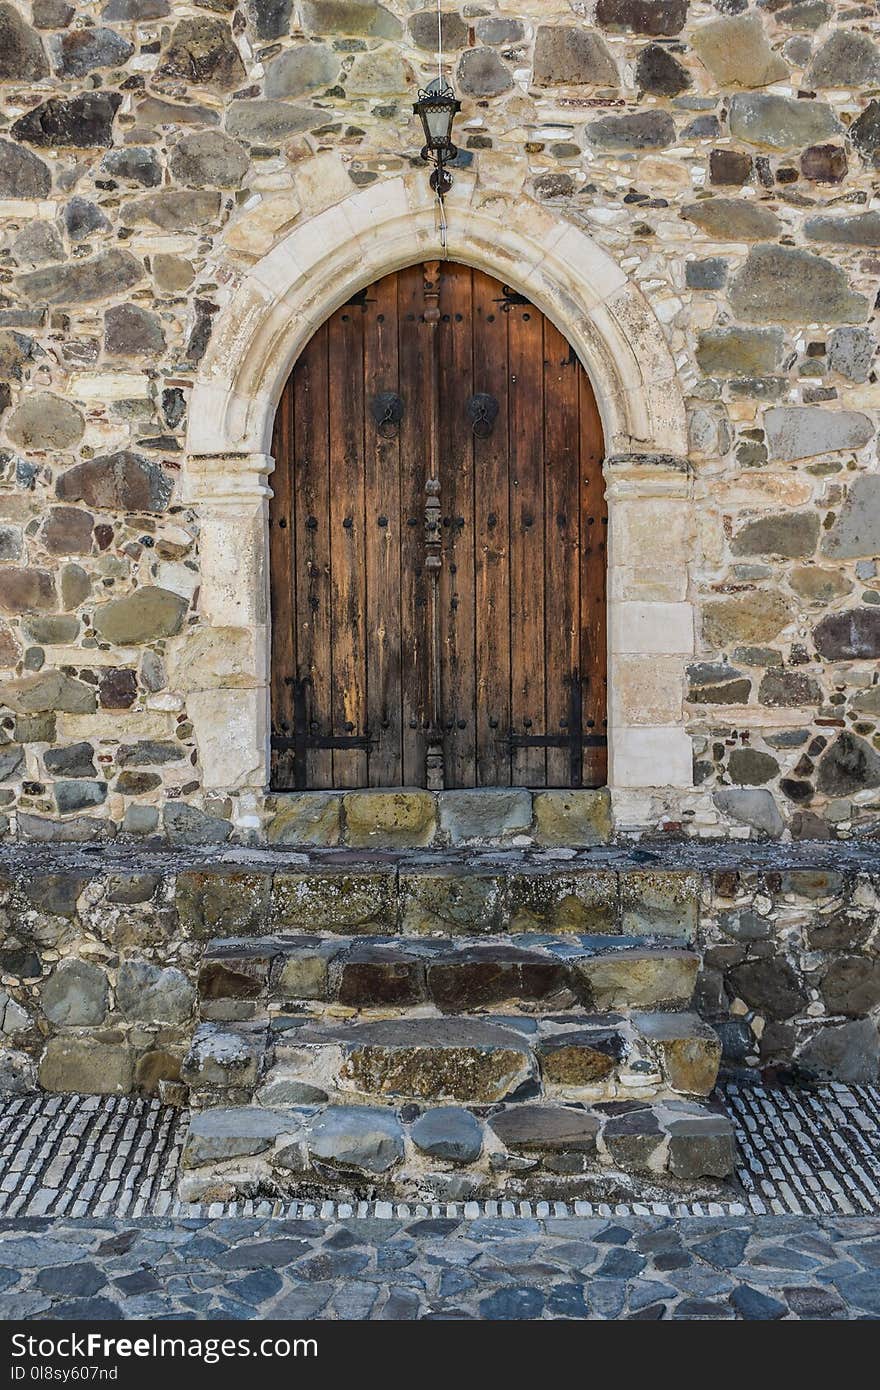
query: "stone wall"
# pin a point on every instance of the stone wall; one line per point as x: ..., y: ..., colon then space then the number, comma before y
x: 725, y: 157
x: 100, y: 964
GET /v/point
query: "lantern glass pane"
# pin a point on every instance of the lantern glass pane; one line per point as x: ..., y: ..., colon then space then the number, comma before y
x: 438, y: 120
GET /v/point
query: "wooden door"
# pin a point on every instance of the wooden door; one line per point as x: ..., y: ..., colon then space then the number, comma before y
x: 437, y: 541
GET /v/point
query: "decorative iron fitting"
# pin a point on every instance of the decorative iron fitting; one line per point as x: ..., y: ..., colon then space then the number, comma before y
x: 482, y: 411
x: 386, y: 409
x: 432, y: 524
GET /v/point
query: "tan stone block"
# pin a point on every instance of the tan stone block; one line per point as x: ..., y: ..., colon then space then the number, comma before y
x: 647, y: 689
x: 258, y: 228
x: 577, y: 818
x: 109, y: 386
x: 126, y: 725
x: 652, y: 627
x: 389, y: 820
x: 646, y: 756
x: 659, y: 173
x: 711, y: 541
x: 230, y: 340
x: 655, y: 528
x: 233, y: 555
x: 450, y: 900
x: 761, y: 491
x: 689, y: 1049
x: 587, y: 262
x: 219, y: 658
x: 501, y: 171
x: 546, y: 899
x: 304, y: 818
x: 231, y: 731
x: 659, y: 902
x: 748, y: 618
x: 736, y: 51
x: 647, y: 583
x: 86, y: 1065
x: 322, y: 181
x: 638, y: 979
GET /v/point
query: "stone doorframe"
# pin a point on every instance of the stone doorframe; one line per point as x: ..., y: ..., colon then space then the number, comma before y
x: 272, y: 310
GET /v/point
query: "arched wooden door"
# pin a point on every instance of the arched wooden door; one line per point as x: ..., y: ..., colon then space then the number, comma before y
x: 438, y: 546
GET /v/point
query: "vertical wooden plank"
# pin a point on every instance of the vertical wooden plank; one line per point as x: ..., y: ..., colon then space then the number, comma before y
x: 526, y: 424
x: 492, y: 539
x: 594, y: 534
x: 455, y: 385
x: 413, y: 348
x: 382, y: 543
x: 281, y: 589
x: 310, y: 518
x: 348, y: 570
x: 562, y: 373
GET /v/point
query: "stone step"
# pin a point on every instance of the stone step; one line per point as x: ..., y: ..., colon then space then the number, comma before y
x: 240, y: 979
x: 657, y: 1150
x: 485, y: 1060
x: 454, y: 894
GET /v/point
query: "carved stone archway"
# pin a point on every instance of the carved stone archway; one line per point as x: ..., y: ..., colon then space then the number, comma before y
x: 273, y: 309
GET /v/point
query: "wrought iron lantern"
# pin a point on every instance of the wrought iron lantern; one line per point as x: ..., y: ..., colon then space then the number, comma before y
x: 437, y: 108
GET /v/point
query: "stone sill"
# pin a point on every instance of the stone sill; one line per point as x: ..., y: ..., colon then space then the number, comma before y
x: 25, y: 861
x: 411, y: 818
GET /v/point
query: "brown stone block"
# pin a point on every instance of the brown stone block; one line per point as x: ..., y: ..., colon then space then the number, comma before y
x: 425, y: 1059
x: 375, y: 975
x: 551, y: 1127
x: 155, y: 1067
x: 579, y: 1058
x: 483, y: 975
x: 729, y: 167
x: 234, y: 977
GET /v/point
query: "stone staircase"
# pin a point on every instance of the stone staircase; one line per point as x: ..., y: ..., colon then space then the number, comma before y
x: 448, y: 1067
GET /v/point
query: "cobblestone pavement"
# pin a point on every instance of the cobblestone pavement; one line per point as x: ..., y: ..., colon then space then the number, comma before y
x: 623, y: 1268
x: 74, y: 1156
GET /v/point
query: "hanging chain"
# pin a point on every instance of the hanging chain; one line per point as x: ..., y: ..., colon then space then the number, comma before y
x: 441, y: 211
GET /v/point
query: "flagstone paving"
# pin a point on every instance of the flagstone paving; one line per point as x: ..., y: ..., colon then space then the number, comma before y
x: 90, y: 1229
x: 635, y: 1268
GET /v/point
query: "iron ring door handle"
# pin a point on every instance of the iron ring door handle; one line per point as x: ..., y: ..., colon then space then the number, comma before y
x: 482, y: 411
x: 386, y: 409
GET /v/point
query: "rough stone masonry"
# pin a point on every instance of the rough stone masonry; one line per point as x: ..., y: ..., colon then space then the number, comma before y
x: 726, y: 157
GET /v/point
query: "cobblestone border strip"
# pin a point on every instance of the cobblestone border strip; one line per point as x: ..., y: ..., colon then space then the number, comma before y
x: 803, y: 1153
x: 88, y: 1156
x: 808, y: 1152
